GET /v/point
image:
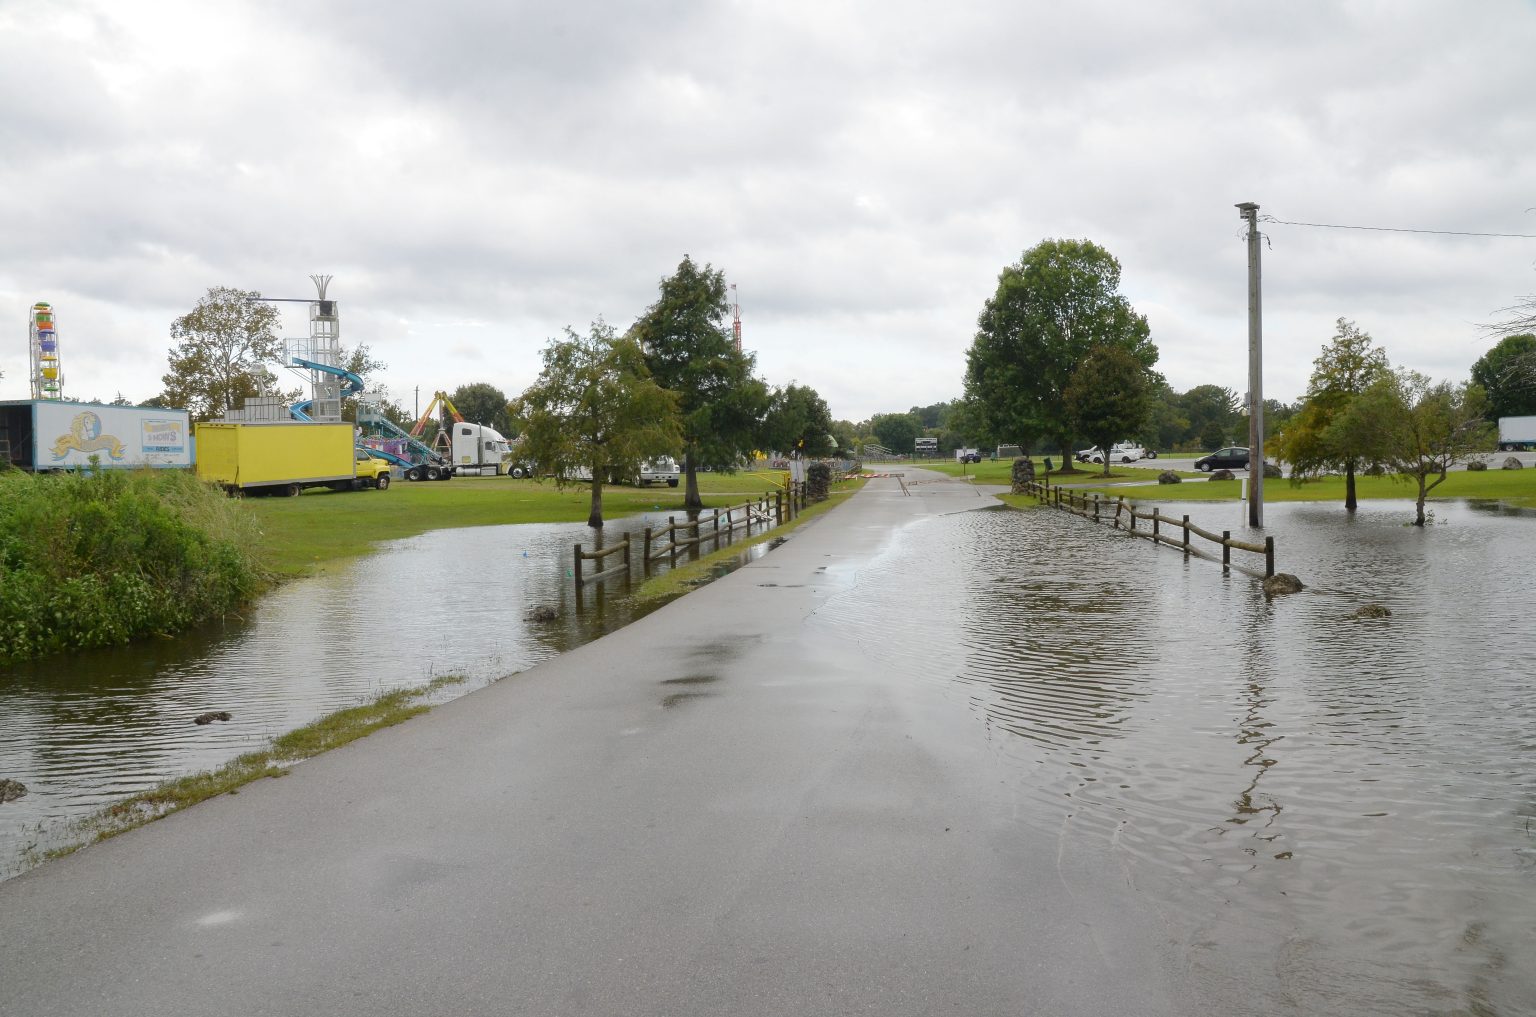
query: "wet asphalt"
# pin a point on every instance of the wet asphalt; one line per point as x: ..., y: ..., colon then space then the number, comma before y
x: 720, y: 809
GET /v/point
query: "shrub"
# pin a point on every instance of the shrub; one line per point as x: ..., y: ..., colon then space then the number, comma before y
x: 99, y: 559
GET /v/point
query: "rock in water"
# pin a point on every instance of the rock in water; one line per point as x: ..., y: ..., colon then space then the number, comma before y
x: 1372, y: 611
x: 10, y: 790
x: 211, y: 716
x: 542, y: 613
x: 1281, y: 582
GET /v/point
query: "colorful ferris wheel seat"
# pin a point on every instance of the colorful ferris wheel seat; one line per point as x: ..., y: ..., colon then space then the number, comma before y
x: 49, y: 345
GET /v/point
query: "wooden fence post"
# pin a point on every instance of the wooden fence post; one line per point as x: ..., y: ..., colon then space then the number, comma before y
x: 1269, y: 557
x: 576, y: 571
x: 627, y: 569
x: 672, y: 538
x: 1186, y: 536
x: 1226, y: 549
x: 1095, y: 508
x: 1155, y: 520
x: 1133, y: 518
x: 645, y: 556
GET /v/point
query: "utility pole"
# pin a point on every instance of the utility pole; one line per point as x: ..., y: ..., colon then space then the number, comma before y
x: 1250, y: 211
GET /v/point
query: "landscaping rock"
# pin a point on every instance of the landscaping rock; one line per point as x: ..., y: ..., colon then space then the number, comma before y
x: 211, y: 716
x: 1023, y: 473
x: 1477, y: 465
x: 1272, y: 470
x: 818, y: 482
x: 1221, y: 475
x: 1372, y: 611
x: 1512, y: 464
x: 1281, y: 582
x: 1169, y: 477
x: 10, y: 790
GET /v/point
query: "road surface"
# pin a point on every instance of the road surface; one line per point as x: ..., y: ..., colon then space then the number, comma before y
x: 720, y: 809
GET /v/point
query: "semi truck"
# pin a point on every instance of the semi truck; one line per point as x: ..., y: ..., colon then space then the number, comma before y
x: 43, y: 435
x: 479, y: 450
x: 1517, y: 434
x: 285, y: 457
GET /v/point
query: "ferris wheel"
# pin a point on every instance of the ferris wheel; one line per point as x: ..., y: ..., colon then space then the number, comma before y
x: 47, y: 375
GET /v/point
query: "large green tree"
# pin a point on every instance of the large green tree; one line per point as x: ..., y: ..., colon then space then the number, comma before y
x: 1059, y: 302
x: 798, y: 421
x: 1348, y: 365
x: 1108, y: 397
x: 1507, y: 373
x: 896, y: 431
x: 481, y: 402
x: 690, y: 350
x: 224, y: 351
x: 1213, y: 414
x: 1417, y: 428
x: 595, y: 406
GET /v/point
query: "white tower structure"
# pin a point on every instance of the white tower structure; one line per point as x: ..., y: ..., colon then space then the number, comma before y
x: 322, y: 347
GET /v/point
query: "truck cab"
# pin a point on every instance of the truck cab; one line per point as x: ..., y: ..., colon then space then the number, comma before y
x: 661, y: 470
x: 480, y: 450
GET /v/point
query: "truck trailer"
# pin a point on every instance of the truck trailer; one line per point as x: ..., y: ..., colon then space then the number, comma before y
x: 1517, y: 434
x: 285, y: 457
x: 43, y: 435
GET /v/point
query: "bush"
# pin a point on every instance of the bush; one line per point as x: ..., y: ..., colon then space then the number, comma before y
x: 99, y: 559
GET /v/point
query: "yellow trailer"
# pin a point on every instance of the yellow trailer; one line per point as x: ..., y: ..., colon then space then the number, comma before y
x: 283, y: 457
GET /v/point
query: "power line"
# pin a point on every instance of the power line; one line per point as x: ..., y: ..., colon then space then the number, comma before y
x: 1397, y: 229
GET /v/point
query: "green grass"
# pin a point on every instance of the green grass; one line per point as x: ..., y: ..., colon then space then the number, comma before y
x: 300, y: 534
x: 1001, y: 472
x: 1515, y: 487
x: 329, y: 732
x: 678, y: 581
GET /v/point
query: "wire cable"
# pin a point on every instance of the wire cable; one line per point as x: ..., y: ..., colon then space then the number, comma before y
x: 1396, y: 229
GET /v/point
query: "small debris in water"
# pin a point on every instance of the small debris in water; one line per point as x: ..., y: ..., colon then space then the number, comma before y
x: 211, y: 716
x: 542, y: 613
x: 10, y: 790
x: 1372, y: 611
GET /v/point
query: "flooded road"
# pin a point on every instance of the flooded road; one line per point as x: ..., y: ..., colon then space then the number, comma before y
x: 1336, y: 813
x: 85, y: 730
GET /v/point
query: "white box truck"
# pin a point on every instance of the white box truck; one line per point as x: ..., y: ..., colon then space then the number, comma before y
x: 50, y: 434
x: 1517, y: 434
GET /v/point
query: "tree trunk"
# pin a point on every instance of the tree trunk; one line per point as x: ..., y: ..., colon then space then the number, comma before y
x: 1349, y: 488
x: 1419, y: 505
x: 595, y: 519
x: 691, y: 500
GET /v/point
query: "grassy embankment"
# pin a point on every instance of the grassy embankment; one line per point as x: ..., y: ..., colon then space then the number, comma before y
x: 301, y: 534
x: 329, y: 732
x: 1513, y: 487
x: 677, y: 581
x: 98, y: 560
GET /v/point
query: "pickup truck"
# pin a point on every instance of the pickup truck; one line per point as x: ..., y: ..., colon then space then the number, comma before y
x: 1122, y: 452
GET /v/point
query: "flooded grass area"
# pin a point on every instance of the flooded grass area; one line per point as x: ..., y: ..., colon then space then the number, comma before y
x: 1334, y: 812
x: 448, y: 611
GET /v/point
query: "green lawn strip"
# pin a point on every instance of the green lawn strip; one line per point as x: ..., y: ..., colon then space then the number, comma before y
x: 678, y: 581
x: 299, y: 534
x: 322, y: 735
x: 1001, y: 472
x: 1515, y: 487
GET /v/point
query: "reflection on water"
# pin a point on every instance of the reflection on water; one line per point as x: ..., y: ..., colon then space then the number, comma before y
x: 1338, y: 811
x: 85, y: 730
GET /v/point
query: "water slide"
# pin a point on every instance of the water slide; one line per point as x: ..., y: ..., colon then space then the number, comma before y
x: 354, y: 385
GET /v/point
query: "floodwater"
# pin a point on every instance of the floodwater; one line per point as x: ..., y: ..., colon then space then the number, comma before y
x: 85, y: 730
x: 1332, y: 815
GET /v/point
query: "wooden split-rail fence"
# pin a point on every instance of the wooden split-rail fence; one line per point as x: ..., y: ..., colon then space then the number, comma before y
x: 715, y: 527
x: 1123, y: 515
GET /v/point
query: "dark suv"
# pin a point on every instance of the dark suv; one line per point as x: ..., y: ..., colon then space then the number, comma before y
x: 1234, y: 458
x: 970, y: 457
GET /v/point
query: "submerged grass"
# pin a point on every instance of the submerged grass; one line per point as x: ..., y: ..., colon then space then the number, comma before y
x: 329, y: 732
x: 1516, y: 487
x: 678, y: 581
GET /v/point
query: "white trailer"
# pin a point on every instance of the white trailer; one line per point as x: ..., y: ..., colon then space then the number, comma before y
x: 50, y: 434
x: 1517, y: 434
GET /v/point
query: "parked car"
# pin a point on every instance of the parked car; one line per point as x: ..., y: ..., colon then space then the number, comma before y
x: 1233, y: 458
x: 969, y: 457
x: 1122, y: 452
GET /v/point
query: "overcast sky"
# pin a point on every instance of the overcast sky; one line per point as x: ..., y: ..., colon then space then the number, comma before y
x: 478, y: 175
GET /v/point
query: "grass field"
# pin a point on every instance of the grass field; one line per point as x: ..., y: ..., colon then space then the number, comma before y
x: 302, y: 534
